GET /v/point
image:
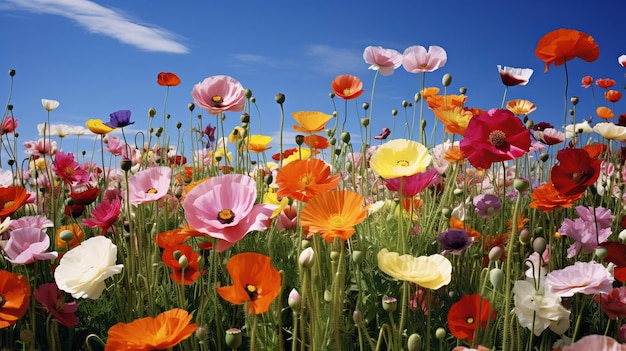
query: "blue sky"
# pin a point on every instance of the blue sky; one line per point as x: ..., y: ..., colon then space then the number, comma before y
x: 97, y: 57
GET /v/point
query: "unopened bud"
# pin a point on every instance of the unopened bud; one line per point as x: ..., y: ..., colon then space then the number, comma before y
x: 520, y: 184
x: 390, y: 304
x: 12, y: 72
x: 440, y: 333
x: 601, y: 253
x: 358, y: 256
x: 345, y: 137
x: 496, y: 277
x: 405, y: 103
x: 332, y: 141
x: 394, y: 112
x: 280, y: 98
x: 414, y: 343
x: 366, y: 105
x: 539, y: 245
x: 10, y: 107
x: 294, y: 300
x: 446, y: 80
x: 462, y: 90
x: 524, y: 236
x: 126, y: 165
x: 574, y: 100
x: 299, y: 139
x: 179, y: 125
x: 183, y: 261
x: 365, y: 122
x: 66, y: 235
x: 307, y: 257
x: 495, y: 253
x: 152, y: 112
x: 248, y: 93
x: 245, y: 118
x: 233, y: 338
x: 191, y: 106
x: 331, y: 95
x: 544, y: 156
x: 357, y: 316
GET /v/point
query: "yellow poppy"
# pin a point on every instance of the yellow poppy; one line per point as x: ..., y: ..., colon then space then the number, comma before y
x: 431, y: 272
x: 96, y: 126
x: 399, y: 158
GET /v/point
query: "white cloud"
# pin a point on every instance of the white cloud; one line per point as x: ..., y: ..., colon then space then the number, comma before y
x: 334, y: 60
x: 106, y: 21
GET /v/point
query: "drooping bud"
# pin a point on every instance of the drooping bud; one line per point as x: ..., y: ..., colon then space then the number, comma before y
x: 544, y: 156
x: 358, y: 256
x: 462, y: 90
x: 299, y: 139
x: 345, y: 137
x: 245, y: 118
x: 520, y: 184
x: 12, y: 72
x: 248, y: 93
x: 126, y: 165
x: 574, y: 100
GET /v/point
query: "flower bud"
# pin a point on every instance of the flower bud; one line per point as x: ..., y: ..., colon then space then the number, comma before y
x: 304, y: 244
x: 126, y: 165
x: 394, y: 112
x: 446, y: 80
x: 307, y: 257
x: 496, y: 277
x: 331, y: 95
x: 332, y: 141
x: 183, y: 261
x: 268, y: 179
x: 423, y: 124
x: 622, y: 235
x: 253, y: 100
x: 574, y: 100
x: 202, y: 334
x: 345, y: 137
x: 294, y: 300
x: 446, y: 212
x: 544, y: 157
x: 337, y: 152
x: 191, y: 106
x: 299, y: 139
x: 520, y: 184
x: 152, y: 112
x: 233, y: 338
x: 179, y: 125
x: 524, y: 236
x: 366, y: 105
x: 462, y: 90
x: 539, y: 245
x: 440, y: 333
x: 601, y: 253
x: 405, y: 103
x: 495, y: 253
x: 390, y: 304
x: 248, y: 93
x: 365, y: 122
x: 458, y: 192
x: 245, y: 118
x: 357, y: 316
x: 415, y: 342
x: 158, y: 132
x: 529, y: 124
x: 334, y: 255
x: 280, y: 98
x: 417, y: 97
x: 66, y: 235
x: 12, y: 72
x: 328, y: 296
x: 10, y: 107
x: 358, y: 256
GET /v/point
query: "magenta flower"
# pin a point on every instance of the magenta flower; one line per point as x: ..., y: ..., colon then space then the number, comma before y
x: 382, y: 60
x: 69, y: 170
x: 454, y: 241
x: 583, y: 277
x: 28, y: 245
x: 52, y: 300
x: 613, y: 303
x: 223, y: 207
x: 487, y: 205
x: 104, y: 214
x: 384, y: 134
x: 494, y: 136
x: 414, y: 184
x: 218, y: 94
x: 514, y: 76
x: 149, y: 185
x: 417, y: 60
x: 592, y: 228
x: 119, y: 119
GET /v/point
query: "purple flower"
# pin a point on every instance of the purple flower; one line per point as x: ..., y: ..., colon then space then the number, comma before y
x: 454, y: 241
x: 592, y: 228
x: 414, y: 184
x: 486, y: 205
x: 210, y: 133
x: 27, y: 245
x: 52, y: 298
x: 119, y: 119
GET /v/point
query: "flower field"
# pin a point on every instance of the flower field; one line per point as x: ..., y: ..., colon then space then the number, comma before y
x: 500, y: 233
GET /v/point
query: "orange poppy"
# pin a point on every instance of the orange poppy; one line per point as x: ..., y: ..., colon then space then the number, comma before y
x: 456, y: 223
x: 605, y: 82
x: 11, y: 199
x: 604, y: 112
x: 184, y: 263
x: 315, y: 141
x: 77, y: 236
x: 164, y: 331
x: 310, y: 121
x: 303, y: 179
x: 333, y: 214
x: 14, y: 297
x: 546, y: 198
x: 520, y: 222
x: 435, y: 101
x: 168, y: 79
x: 347, y: 86
x: 454, y: 154
x: 171, y: 238
x: 454, y: 118
x: 563, y: 44
x: 595, y: 150
x: 255, y: 281
x: 521, y: 107
x: 612, y: 95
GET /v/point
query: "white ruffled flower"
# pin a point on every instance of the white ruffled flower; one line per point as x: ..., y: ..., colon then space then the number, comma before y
x: 542, y: 308
x: 83, y: 270
x: 49, y: 105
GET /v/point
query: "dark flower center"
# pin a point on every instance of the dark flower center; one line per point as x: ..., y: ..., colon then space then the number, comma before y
x: 469, y: 320
x: 252, y: 292
x: 217, y: 101
x: 226, y: 216
x: 497, y: 138
x: 3, y: 300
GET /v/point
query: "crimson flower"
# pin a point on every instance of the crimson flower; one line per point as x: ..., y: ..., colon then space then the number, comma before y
x: 512, y: 76
x: 576, y: 171
x: 468, y: 314
x: 68, y: 169
x: 52, y: 300
x: 413, y: 184
x: 168, y: 79
x: 495, y: 136
x: 104, y: 214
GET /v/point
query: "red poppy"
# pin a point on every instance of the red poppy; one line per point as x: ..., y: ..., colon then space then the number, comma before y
x: 616, y: 254
x: 495, y: 136
x: 595, y: 150
x: 575, y: 171
x: 347, y: 86
x: 286, y: 153
x: 315, y: 141
x: 177, y: 160
x: 184, y: 263
x: 612, y: 95
x: 11, y: 199
x: 168, y: 79
x: 15, y: 297
x: 468, y: 314
x: 562, y: 45
x: 605, y: 82
x: 255, y: 281
x: 586, y: 81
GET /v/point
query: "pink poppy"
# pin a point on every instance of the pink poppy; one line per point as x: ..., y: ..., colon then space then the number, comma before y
x: 52, y: 298
x: 104, y: 214
x: 589, y: 231
x: 28, y: 245
x: 218, y: 94
x: 382, y: 60
x: 9, y: 124
x: 68, y: 169
x: 149, y: 185
x: 223, y: 207
x: 613, y: 303
x: 514, y: 76
x: 417, y: 60
x: 583, y: 277
x: 495, y: 136
x: 595, y: 342
x: 414, y: 184
x: 40, y: 147
x: 288, y: 218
